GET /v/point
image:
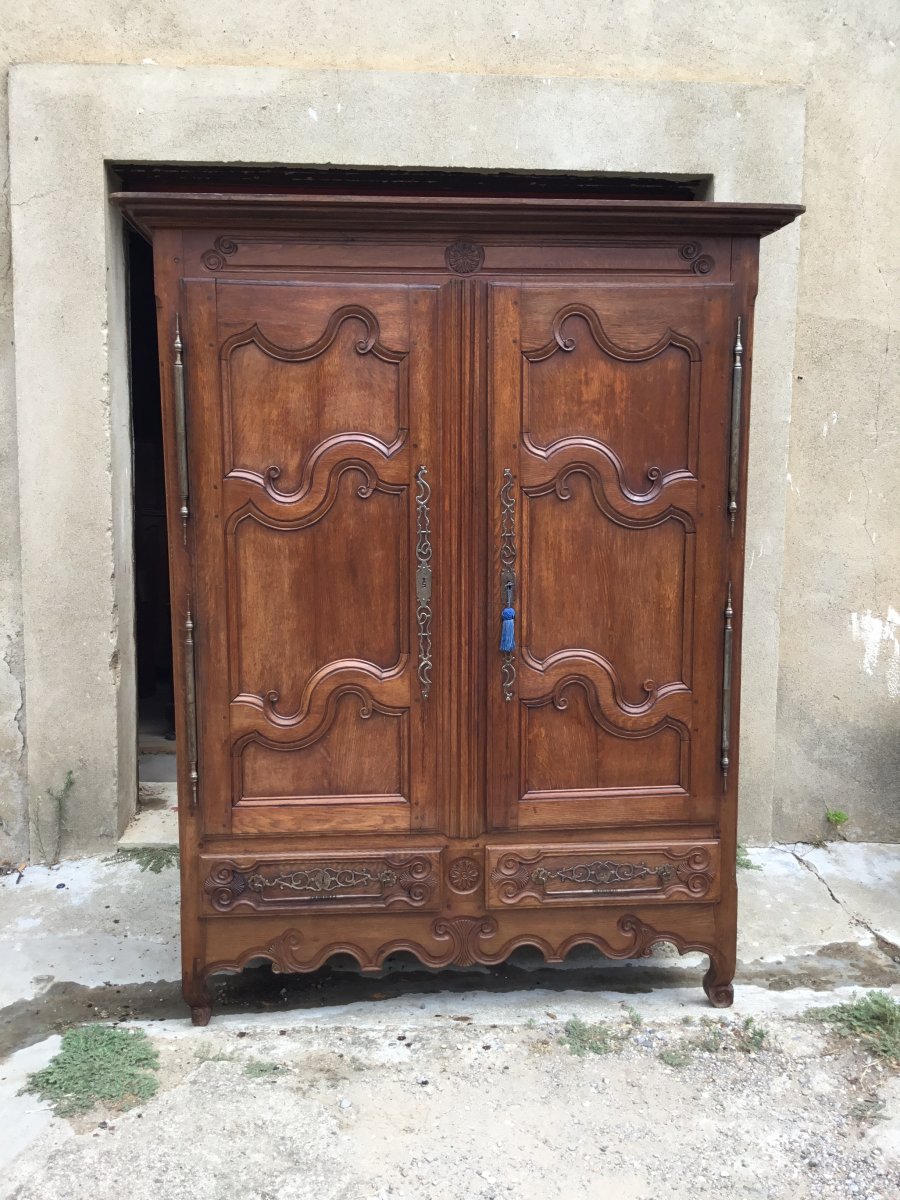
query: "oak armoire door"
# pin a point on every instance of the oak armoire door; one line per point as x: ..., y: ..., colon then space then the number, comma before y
x: 609, y: 462
x: 313, y: 451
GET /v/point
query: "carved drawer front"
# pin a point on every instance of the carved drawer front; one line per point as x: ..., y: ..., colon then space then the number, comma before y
x: 532, y: 876
x: 379, y: 880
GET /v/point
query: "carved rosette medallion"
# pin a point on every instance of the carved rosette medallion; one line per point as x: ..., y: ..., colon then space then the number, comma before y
x: 222, y: 249
x: 464, y: 875
x: 464, y: 257
x: 377, y: 882
x: 700, y: 263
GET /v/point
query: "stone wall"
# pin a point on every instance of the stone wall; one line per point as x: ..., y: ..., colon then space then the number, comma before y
x: 823, y: 631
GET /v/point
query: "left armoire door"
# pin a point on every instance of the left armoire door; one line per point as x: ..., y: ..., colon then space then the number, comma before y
x: 312, y: 458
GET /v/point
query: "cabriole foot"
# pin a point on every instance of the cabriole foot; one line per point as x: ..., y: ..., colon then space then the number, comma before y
x: 200, y: 1013
x: 717, y: 983
x: 197, y: 997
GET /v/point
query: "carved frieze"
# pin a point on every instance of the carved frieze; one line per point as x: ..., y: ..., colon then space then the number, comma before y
x: 367, y: 881
x: 572, y: 875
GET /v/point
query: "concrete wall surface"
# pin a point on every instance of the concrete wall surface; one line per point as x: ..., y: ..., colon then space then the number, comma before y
x: 719, y: 87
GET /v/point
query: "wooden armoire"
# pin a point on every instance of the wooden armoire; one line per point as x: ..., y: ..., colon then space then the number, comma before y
x: 456, y: 497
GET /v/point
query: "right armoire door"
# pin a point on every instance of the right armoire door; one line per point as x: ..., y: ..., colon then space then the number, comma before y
x: 609, y: 475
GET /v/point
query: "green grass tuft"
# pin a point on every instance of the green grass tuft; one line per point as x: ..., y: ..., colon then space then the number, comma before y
x: 98, y: 1064
x: 258, y: 1069
x: 583, y: 1039
x: 717, y: 1037
x: 836, y: 818
x: 750, y: 1037
x: 744, y: 861
x: 874, y: 1018
x: 148, y: 858
x: 675, y: 1056
x: 870, y: 1108
x: 711, y: 1037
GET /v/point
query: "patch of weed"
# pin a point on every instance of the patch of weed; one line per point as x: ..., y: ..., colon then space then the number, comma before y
x: 583, y: 1039
x: 540, y: 1046
x: 634, y: 1016
x: 675, y: 1056
x: 52, y: 810
x: 750, y: 1037
x: 872, y: 1108
x: 711, y: 1038
x: 149, y: 858
x: 95, y: 1064
x: 744, y: 861
x: 205, y: 1056
x: 836, y: 818
x: 259, y: 1069
x: 874, y: 1018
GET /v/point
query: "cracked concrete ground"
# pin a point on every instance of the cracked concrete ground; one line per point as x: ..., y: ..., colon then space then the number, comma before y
x: 421, y: 1084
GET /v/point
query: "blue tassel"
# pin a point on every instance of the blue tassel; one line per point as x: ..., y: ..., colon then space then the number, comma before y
x: 508, y: 629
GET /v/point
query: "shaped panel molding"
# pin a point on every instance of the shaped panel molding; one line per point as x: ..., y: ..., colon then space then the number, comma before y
x: 535, y: 876
x: 571, y: 746
x: 280, y: 647
x: 342, y: 396
x: 638, y: 408
x: 408, y: 879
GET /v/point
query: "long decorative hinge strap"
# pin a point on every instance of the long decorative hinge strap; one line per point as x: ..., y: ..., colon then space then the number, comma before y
x: 734, y: 463
x: 726, y: 688
x: 508, y: 583
x: 190, y: 699
x: 423, y: 578
x: 181, y: 425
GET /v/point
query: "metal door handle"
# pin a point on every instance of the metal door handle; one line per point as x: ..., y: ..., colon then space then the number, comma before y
x: 508, y: 583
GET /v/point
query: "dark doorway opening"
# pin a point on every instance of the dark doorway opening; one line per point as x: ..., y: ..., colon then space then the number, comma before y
x: 153, y: 621
x: 395, y: 181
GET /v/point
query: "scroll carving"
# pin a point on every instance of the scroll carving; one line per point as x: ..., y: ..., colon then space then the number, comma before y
x: 374, y: 881
x: 602, y: 339
x: 566, y: 876
x: 319, y: 705
x: 605, y: 694
x: 700, y: 264
x: 637, y: 511
x: 465, y: 933
x: 222, y: 249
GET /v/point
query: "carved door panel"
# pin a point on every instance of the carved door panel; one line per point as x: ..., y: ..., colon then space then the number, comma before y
x: 609, y: 460
x: 313, y: 441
